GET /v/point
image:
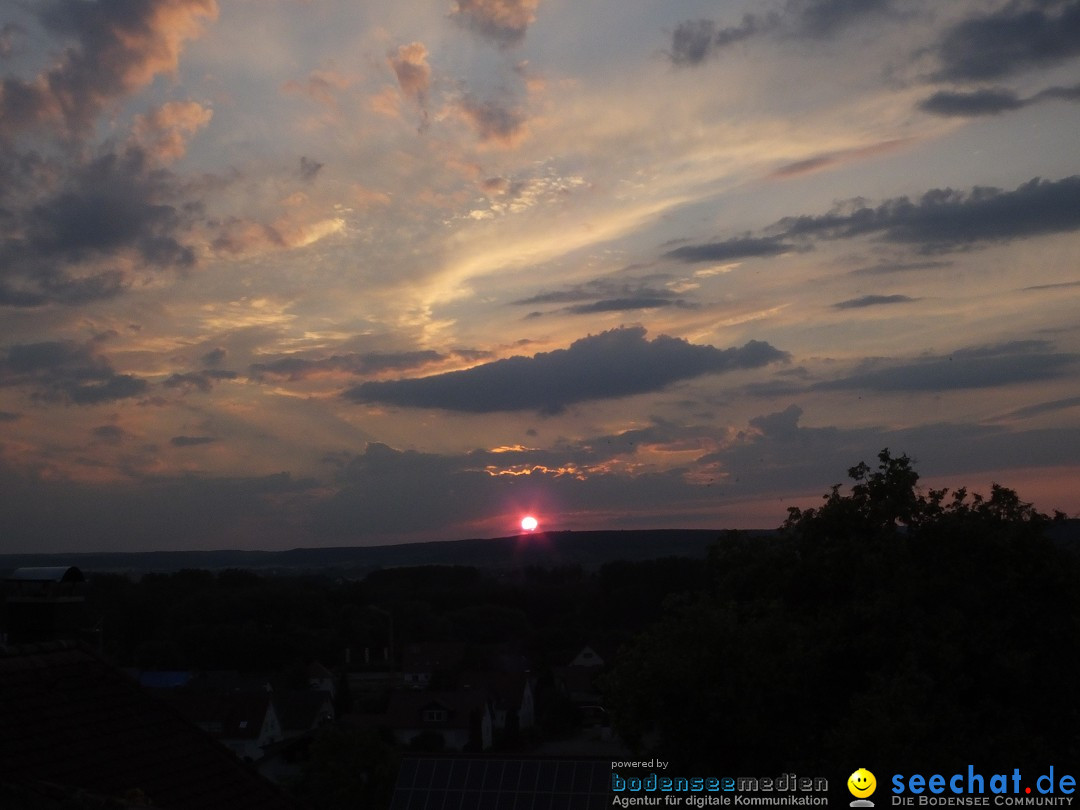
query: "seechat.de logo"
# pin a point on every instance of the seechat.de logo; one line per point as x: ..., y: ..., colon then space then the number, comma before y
x: 862, y: 785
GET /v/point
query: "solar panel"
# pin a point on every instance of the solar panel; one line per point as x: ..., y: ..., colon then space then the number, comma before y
x: 500, y: 783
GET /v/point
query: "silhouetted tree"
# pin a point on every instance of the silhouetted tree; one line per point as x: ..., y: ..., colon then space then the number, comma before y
x: 885, y: 625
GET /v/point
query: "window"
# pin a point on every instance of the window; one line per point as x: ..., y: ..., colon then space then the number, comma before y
x: 434, y: 715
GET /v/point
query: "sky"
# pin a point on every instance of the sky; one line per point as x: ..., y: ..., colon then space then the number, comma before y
x: 278, y: 274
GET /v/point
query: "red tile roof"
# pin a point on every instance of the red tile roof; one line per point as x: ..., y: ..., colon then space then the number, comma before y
x: 67, y: 717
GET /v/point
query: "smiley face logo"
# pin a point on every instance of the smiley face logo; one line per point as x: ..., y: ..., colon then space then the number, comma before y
x: 861, y: 783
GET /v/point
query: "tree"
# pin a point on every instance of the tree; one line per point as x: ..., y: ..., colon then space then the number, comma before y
x: 886, y: 625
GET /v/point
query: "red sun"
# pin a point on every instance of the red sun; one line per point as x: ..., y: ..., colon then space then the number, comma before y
x: 529, y: 523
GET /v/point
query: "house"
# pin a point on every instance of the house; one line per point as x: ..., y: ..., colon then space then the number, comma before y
x: 511, y: 695
x: 72, y: 725
x: 244, y: 722
x: 587, y: 657
x: 301, y: 711
x: 421, y: 664
x: 577, y: 681
x: 458, y: 720
x: 321, y: 679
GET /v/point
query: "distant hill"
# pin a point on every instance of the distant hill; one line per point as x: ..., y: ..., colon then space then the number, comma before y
x: 587, y: 549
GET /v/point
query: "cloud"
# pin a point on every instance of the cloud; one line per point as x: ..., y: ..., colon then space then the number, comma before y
x: 309, y: 169
x: 990, y: 101
x: 109, y: 434
x: 191, y: 441
x: 695, y: 41
x: 68, y: 372
x: 978, y: 102
x: 813, y: 164
x: 1042, y: 408
x: 239, y: 237
x: 410, y: 65
x: 321, y: 85
x: 945, y: 219
x: 607, y: 295
x: 493, y: 121
x: 214, y: 357
x: 164, y: 133
x: 1017, y: 37
x: 359, y: 364
x: 873, y: 300
x: 740, y: 247
x: 970, y: 368
x: 115, y: 211
x: 613, y: 364
x: 119, y: 47
x: 898, y: 267
x: 504, y: 22
x: 10, y: 36
x: 199, y: 380
x: 824, y: 18
x: 628, y: 304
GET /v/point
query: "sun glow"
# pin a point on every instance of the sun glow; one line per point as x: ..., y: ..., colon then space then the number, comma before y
x: 529, y: 523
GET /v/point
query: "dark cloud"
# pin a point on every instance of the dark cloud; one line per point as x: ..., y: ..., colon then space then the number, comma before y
x: 824, y: 18
x: 695, y: 41
x: 607, y: 295
x: 360, y: 364
x: 613, y: 364
x: 740, y: 247
x: 410, y: 66
x: 1062, y: 286
x: 68, y: 372
x: 203, y: 380
x: 872, y: 300
x: 1018, y: 36
x: 114, y: 48
x: 385, y: 491
x: 899, y: 267
x: 782, y: 424
x: 1041, y: 408
x: 628, y: 304
x: 8, y: 416
x: 976, y: 367
x: 594, y: 290
x: 144, y: 514
x: 944, y: 219
x: 494, y: 121
x: 214, y: 357
x: 109, y: 434
x: 309, y: 169
x: 191, y: 441
x: 780, y: 455
x: 1063, y: 93
x: 10, y: 36
x: 64, y: 247
x: 504, y: 22
x: 991, y: 101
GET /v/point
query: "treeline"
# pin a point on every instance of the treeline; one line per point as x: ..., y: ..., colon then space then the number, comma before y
x: 240, y: 620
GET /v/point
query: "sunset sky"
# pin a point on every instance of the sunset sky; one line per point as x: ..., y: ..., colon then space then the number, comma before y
x: 278, y: 273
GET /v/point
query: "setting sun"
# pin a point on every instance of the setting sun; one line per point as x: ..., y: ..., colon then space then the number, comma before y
x: 529, y: 523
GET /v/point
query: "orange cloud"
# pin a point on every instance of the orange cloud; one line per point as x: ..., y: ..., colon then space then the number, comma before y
x: 119, y: 49
x: 164, y: 132
x: 413, y: 73
x: 503, y: 21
